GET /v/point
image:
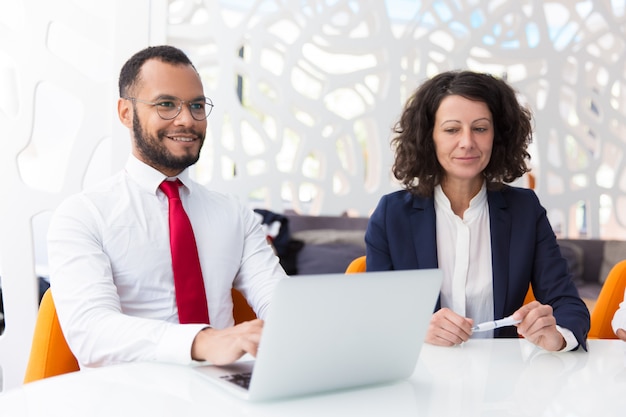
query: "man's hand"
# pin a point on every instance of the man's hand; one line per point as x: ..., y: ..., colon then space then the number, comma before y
x: 448, y: 328
x: 538, y: 326
x: 225, y: 346
x: 621, y: 333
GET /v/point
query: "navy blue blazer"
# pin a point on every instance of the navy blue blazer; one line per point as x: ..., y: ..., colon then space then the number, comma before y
x: 401, y: 234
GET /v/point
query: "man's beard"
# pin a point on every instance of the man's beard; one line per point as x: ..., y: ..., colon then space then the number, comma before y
x: 154, y: 151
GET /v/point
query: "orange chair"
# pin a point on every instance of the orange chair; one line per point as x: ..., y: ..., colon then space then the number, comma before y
x: 50, y: 355
x: 611, y: 295
x: 356, y: 266
x: 241, y: 310
x: 530, y: 296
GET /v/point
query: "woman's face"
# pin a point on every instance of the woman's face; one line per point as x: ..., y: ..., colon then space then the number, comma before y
x: 463, y: 137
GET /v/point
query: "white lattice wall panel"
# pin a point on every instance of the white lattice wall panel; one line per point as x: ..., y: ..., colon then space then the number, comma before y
x: 55, y: 113
x: 323, y: 82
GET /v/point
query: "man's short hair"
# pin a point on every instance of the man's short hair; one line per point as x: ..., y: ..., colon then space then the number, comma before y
x: 129, y: 75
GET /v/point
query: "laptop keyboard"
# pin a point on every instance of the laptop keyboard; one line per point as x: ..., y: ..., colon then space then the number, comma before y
x: 242, y: 379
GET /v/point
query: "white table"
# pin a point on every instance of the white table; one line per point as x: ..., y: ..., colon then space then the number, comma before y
x: 504, y: 377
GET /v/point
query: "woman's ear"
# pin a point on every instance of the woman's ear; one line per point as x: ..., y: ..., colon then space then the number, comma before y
x: 125, y: 112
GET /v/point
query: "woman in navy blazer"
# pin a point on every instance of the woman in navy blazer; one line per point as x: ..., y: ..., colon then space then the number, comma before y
x: 461, y: 138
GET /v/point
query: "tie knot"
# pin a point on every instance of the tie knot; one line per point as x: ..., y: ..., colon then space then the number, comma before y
x: 170, y: 188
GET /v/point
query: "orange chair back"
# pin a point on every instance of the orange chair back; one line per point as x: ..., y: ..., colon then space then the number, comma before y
x: 241, y: 309
x: 609, y: 299
x: 530, y: 296
x: 50, y: 355
x: 356, y: 266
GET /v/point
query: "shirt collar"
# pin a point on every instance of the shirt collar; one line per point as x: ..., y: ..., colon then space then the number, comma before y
x: 477, y: 203
x: 149, y: 178
x: 441, y: 200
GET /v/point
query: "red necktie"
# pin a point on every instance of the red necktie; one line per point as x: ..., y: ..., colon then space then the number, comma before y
x: 190, y: 294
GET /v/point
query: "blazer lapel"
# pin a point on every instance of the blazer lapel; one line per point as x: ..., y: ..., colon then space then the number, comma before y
x: 423, y: 224
x: 422, y: 219
x: 500, y: 223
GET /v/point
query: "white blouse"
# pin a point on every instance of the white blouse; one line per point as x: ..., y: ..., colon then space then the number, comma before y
x: 464, y: 256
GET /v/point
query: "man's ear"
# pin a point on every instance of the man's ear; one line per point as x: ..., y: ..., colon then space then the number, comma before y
x: 125, y: 112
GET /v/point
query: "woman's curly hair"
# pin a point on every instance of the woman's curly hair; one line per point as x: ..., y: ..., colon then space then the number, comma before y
x: 416, y: 165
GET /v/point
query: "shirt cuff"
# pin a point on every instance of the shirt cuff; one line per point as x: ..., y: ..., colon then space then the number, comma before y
x: 175, y: 345
x: 570, y: 340
x: 619, y: 318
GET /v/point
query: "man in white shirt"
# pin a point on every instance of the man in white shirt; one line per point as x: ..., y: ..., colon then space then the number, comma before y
x: 109, y: 248
x: 619, y: 320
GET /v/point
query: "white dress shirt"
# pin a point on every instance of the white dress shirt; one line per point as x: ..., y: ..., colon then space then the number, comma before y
x: 619, y: 319
x: 464, y: 256
x: 111, y: 271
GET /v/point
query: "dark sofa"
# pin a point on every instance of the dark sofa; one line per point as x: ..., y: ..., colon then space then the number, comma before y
x: 329, y: 243
x: 590, y: 261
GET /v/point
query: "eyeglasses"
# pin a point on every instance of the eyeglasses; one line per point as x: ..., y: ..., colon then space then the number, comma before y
x: 169, y: 108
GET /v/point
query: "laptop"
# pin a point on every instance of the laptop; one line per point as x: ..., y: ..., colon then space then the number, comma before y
x: 336, y: 331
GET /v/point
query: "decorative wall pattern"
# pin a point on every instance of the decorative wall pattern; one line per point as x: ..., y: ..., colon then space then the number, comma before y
x: 55, y: 113
x: 306, y: 94
x: 323, y: 82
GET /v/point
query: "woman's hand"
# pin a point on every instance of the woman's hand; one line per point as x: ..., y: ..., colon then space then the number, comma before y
x: 448, y: 328
x: 538, y: 326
